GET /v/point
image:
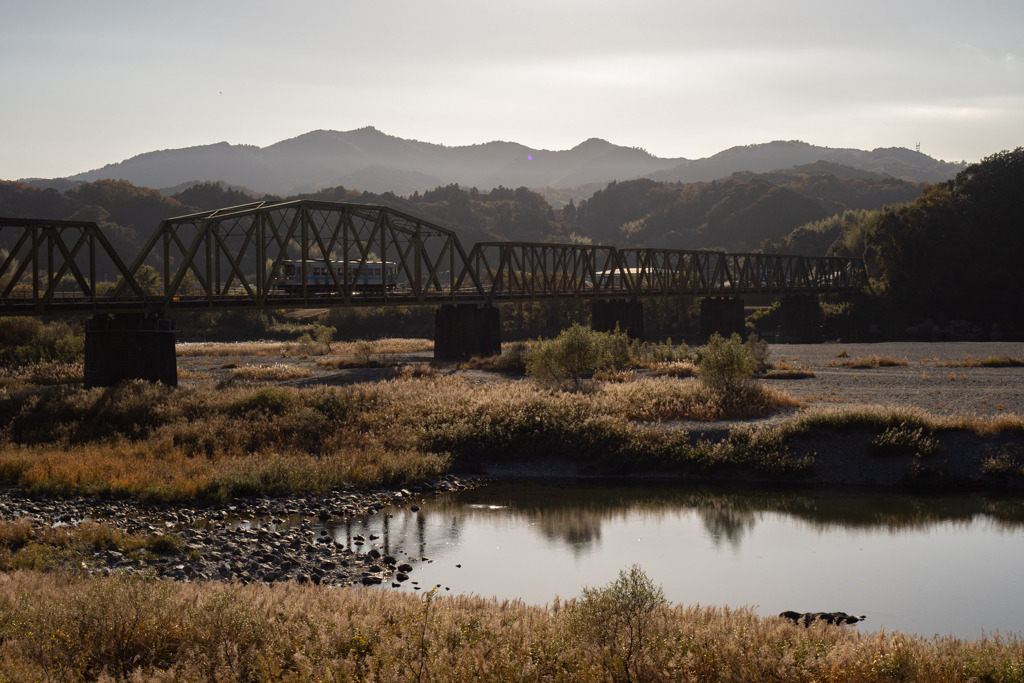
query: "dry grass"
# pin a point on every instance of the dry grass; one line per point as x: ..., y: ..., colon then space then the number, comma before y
x: 616, y: 376
x: 414, y: 371
x: 784, y: 370
x: 74, y: 628
x: 270, y: 373
x: 881, y: 418
x: 27, y: 545
x: 283, y: 349
x: 868, y: 362
x: 214, y: 442
x: 988, y: 362
x: 46, y: 373
x: 185, y: 373
x: 298, y: 348
x: 677, y: 368
x: 157, y: 443
x: 386, y: 345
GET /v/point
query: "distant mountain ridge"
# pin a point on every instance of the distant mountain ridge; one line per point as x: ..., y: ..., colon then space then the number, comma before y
x: 367, y: 159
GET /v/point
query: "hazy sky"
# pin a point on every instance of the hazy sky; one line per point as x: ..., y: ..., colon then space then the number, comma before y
x: 89, y: 83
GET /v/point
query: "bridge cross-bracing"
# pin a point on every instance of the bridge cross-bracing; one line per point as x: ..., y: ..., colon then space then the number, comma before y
x: 311, y: 254
x: 340, y: 254
x: 332, y: 252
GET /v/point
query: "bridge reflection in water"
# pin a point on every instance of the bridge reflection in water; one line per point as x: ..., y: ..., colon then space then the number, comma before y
x: 309, y: 254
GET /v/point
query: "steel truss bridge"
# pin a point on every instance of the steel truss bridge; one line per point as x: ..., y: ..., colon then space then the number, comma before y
x: 236, y: 258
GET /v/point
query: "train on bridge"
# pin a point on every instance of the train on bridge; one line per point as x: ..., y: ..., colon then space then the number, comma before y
x: 334, y: 277
x: 315, y: 254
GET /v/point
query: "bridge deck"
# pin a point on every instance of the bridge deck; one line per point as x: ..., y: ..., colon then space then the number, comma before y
x: 304, y: 254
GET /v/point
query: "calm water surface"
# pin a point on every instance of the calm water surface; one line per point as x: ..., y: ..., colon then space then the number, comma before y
x: 929, y: 565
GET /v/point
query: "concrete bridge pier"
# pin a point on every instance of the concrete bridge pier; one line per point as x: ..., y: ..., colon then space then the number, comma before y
x: 129, y: 347
x: 627, y: 315
x: 800, y: 319
x: 722, y: 314
x: 466, y: 330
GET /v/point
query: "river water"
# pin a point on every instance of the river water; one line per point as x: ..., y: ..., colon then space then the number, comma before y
x: 948, y: 565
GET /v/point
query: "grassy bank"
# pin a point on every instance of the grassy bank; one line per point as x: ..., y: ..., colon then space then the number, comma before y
x: 211, y: 443
x: 157, y: 443
x: 74, y: 628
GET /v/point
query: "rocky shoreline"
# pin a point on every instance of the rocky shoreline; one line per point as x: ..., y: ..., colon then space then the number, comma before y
x: 297, y: 538
x: 246, y: 540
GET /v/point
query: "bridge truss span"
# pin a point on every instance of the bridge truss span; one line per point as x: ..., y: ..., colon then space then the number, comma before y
x: 314, y: 254
x: 305, y: 254
x: 653, y: 272
x: 517, y: 270
x: 54, y: 266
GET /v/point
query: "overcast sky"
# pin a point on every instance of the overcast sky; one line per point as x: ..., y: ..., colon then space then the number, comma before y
x: 90, y: 83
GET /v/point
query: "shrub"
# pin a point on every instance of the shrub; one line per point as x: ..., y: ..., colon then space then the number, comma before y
x: 725, y: 364
x: 678, y: 368
x: 575, y: 353
x: 620, y: 619
x: 513, y: 359
x: 758, y: 349
x: 268, y: 401
x: 25, y: 341
x: 904, y: 440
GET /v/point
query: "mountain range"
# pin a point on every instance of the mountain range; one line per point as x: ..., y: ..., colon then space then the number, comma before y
x: 369, y: 160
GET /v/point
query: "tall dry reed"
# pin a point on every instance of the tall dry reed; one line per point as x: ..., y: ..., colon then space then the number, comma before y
x: 77, y: 628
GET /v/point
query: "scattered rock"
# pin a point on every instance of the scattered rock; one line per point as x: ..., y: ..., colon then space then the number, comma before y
x: 808, y: 618
x: 247, y: 540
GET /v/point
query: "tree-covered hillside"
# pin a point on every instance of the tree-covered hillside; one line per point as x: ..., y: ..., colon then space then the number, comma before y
x: 951, y: 254
x: 737, y: 213
x: 945, y: 251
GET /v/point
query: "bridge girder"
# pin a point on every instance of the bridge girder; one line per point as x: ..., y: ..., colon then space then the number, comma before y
x: 234, y: 257
x: 53, y: 266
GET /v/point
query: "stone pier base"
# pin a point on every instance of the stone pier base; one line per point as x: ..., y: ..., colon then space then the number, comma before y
x: 129, y: 347
x: 628, y: 316
x: 800, y: 319
x: 466, y: 330
x: 721, y: 314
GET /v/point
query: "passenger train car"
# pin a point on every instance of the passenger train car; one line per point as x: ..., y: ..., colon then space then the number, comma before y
x: 369, y: 277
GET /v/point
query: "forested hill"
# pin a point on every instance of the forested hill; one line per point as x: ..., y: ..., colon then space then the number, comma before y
x: 735, y: 213
x: 941, y: 251
x: 376, y: 162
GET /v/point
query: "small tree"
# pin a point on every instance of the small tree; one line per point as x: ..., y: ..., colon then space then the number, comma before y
x: 576, y: 352
x: 725, y: 364
x: 149, y: 279
x: 619, y: 619
x: 759, y: 351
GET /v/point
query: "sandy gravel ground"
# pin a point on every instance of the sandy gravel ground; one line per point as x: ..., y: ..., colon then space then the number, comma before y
x: 923, y: 383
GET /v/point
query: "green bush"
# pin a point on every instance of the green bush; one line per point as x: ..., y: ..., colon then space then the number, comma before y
x: 513, y: 359
x: 725, y: 365
x: 577, y: 352
x: 24, y: 341
x: 759, y: 351
x: 621, y: 619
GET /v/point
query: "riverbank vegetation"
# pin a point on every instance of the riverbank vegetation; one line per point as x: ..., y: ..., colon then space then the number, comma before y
x: 214, y: 441
x: 79, y: 628
x: 159, y: 443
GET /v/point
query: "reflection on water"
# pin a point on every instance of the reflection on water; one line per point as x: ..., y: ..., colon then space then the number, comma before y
x: 935, y: 564
x: 575, y: 514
